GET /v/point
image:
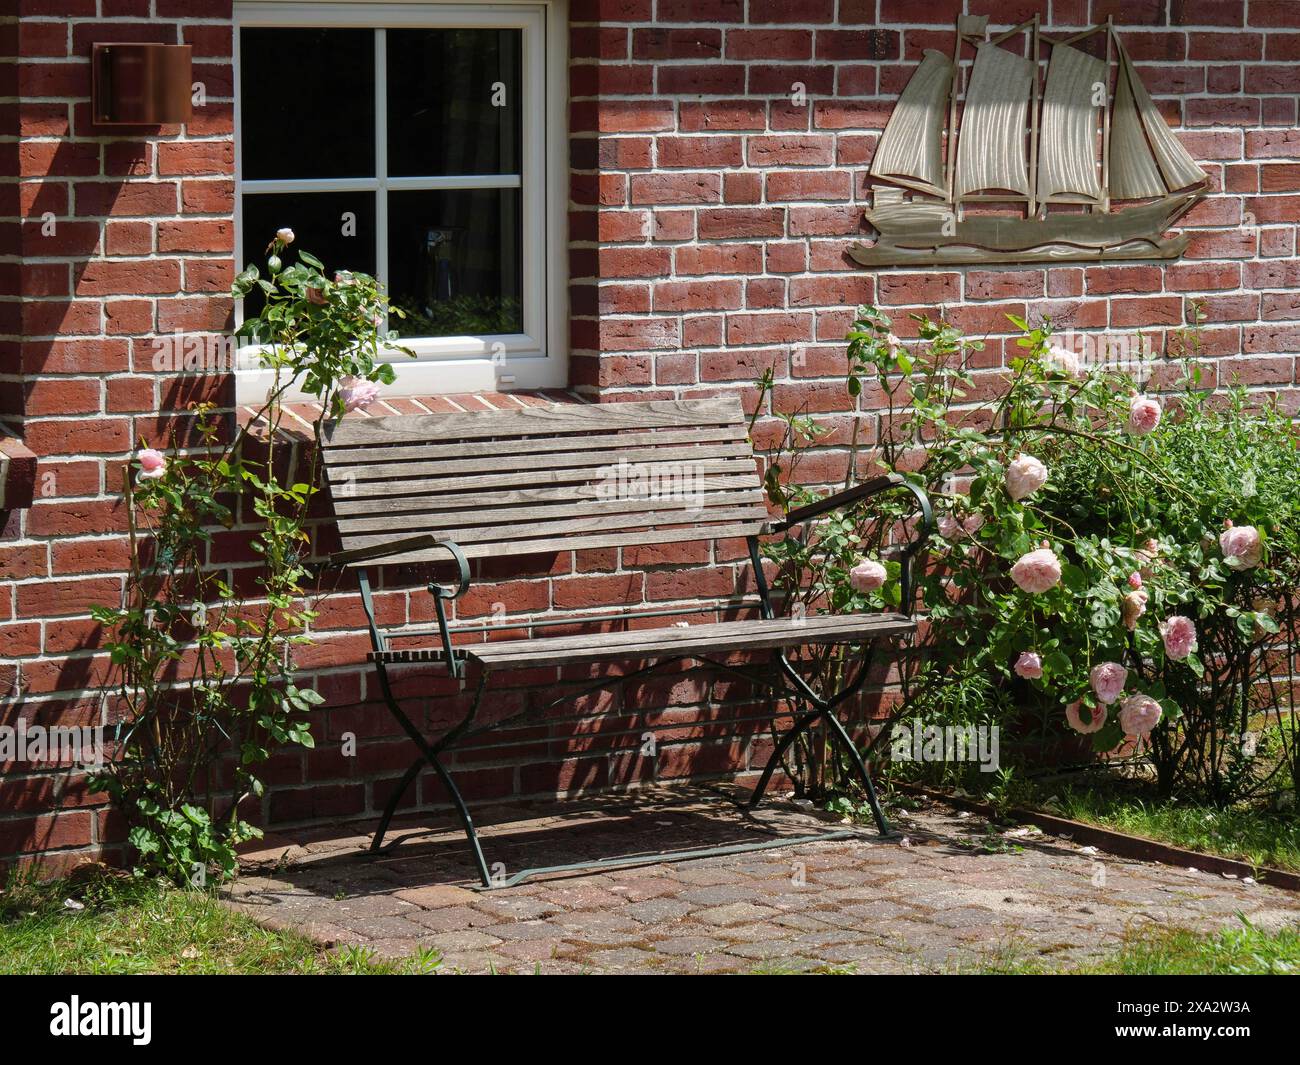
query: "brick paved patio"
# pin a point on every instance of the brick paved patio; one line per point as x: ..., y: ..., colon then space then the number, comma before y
x: 943, y: 897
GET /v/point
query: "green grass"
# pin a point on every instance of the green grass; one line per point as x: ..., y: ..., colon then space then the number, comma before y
x: 130, y: 925
x: 1249, y: 834
x: 1243, y: 951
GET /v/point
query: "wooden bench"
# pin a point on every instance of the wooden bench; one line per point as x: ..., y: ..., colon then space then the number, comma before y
x: 493, y: 484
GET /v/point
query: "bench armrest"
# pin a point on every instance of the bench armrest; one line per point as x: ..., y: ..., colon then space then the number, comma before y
x: 875, y: 486
x: 402, y: 547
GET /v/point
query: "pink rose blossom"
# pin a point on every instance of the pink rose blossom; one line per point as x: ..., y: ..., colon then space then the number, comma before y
x: 1036, y: 572
x: 153, y: 464
x: 1025, y: 476
x: 1074, y: 717
x: 950, y: 528
x: 867, y: 576
x: 1139, y: 714
x: 1146, y: 555
x: 285, y: 235
x: 1143, y: 415
x: 1108, y: 680
x: 1135, y: 581
x: 1062, y: 360
x: 1132, y: 607
x: 1179, y: 635
x: 1029, y: 665
x: 357, y: 393
x: 1241, y: 546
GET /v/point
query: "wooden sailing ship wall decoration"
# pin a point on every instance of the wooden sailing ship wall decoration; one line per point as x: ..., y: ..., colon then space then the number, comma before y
x: 1086, y: 165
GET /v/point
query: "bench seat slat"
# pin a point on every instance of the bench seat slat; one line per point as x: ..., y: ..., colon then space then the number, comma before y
x: 755, y: 634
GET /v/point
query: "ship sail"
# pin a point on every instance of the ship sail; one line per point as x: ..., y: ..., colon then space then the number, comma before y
x: 1145, y: 157
x: 909, y: 152
x: 1067, y: 146
x: 991, y: 146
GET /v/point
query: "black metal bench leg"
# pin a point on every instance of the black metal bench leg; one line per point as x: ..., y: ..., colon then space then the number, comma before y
x: 841, y: 734
x: 470, y: 832
x: 377, y: 844
x: 801, y: 725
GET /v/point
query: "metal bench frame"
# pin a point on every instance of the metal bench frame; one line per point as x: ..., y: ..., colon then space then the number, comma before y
x: 782, y: 679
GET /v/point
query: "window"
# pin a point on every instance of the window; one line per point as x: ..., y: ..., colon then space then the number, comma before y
x: 422, y: 143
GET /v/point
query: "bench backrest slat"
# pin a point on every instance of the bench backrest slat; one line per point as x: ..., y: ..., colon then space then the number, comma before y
x: 544, y: 479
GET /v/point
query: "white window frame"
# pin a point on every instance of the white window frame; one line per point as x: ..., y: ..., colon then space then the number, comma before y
x: 535, y: 358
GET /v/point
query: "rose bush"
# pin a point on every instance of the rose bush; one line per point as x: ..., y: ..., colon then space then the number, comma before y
x: 1098, y: 546
x: 204, y: 689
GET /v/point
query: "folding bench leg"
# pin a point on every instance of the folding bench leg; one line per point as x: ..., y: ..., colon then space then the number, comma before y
x: 429, y: 756
x: 824, y: 710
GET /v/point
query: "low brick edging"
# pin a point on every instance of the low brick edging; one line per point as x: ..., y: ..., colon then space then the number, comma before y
x: 1121, y: 844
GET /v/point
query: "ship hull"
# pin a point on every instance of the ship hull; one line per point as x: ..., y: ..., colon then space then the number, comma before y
x: 924, y: 233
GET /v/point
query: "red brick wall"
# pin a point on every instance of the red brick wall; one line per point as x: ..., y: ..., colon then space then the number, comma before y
x: 708, y: 223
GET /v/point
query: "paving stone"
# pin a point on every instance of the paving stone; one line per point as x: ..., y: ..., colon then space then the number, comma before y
x: 519, y: 907
x: 451, y: 918
x: 678, y: 945
x: 458, y: 942
x: 735, y: 913
x: 433, y: 896
x: 657, y: 911
x: 374, y: 906
x: 374, y: 928
x: 596, y: 925
x: 521, y: 930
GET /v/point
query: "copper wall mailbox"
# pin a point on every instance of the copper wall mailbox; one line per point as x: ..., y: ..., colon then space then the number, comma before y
x: 140, y: 84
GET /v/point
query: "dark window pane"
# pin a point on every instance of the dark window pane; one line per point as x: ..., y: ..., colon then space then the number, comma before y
x: 322, y: 224
x: 454, y: 261
x: 441, y: 114
x: 307, y: 103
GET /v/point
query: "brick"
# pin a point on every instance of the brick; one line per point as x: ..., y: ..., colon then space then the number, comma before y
x: 134, y: 198
x: 723, y: 115
x: 803, y: 12
x: 769, y: 328
x: 719, y: 259
x: 769, y: 44
x: 701, y: 79
x: 1104, y: 280
x: 783, y: 186
x: 668, y: 43
x: 639, y: 334
x: 55, y: 598
x: 699, y: 151
x: 733, y: 222
x: 898, y: 289
x: 791, y: 150
x: 676, y: 188
x: 129, y: 277
x: 193, y: 236
x: 196, y: 158
x: 697, y: 295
